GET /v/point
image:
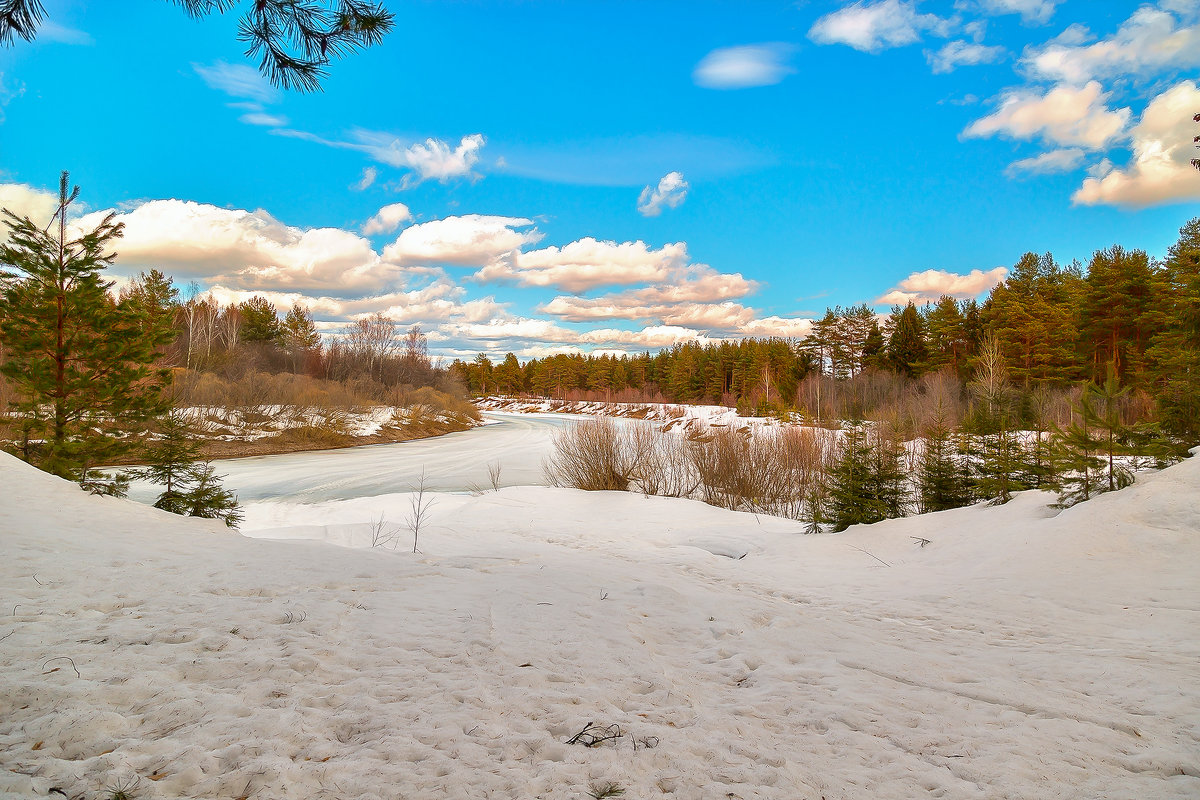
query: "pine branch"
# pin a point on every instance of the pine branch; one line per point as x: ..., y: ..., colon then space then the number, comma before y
x: 20, y: 18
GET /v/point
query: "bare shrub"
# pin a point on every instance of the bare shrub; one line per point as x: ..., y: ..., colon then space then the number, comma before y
x: 770, y: 470
x: 590, y: 455
x: 419, y: 505
x: 494, y: 475
x: 662, y: 461
x: 383, y: 534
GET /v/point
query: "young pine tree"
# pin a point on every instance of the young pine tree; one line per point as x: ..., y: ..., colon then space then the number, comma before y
x: 1088, y: 448
x: 81, y: 363
x: 190, y: 487
x: 867, y: 482
x: 943, y: 479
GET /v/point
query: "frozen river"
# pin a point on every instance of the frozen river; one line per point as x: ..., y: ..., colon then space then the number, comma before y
x: 456, y: 462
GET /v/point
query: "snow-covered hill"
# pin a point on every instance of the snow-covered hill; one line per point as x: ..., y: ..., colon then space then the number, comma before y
x: 1017, y: 654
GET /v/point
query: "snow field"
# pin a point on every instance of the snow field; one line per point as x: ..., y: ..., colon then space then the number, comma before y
x: 1020, y: 654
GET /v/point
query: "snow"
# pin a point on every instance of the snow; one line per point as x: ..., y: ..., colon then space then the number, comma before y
x: 453, y: 462
x: 1021, y: 653
x: 690, y: 415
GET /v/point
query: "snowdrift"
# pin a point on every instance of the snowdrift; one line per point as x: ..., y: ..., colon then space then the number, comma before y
x: 1018, y: 653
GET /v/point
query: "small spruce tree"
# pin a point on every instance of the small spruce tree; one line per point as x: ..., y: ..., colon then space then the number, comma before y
x: 81, y: 363
x: 943, y: 479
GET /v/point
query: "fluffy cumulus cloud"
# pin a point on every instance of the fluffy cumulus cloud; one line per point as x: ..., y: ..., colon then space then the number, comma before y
x: 872, y: 27
x: 1053, y: 161
x: 744, y: 66
x: 670, y: 192
x: 236, y: 254
x: 1064, y: 116
x: 471, y: 240
x: 1153, y: 40
x: 245, y: 249
x: 26, y: 201
x: 1160, y: 170
x: 388, y: 219
x: 439, y: 302
x: 588, y: 263
x: 432, y: 159
x: 961, y: 53
x: 928, y: 286
x: 435, y: 159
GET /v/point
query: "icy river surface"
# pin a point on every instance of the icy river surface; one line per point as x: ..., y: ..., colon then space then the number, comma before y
x: 456, y: 462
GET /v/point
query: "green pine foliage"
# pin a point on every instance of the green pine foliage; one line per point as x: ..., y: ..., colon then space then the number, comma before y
x: 190, y: 486
x: 943, y: 478
x: 81, y: 362
x: 867, y: 482
x: 906, y: 349
x: 260, y: 321
x: 1174, y: 353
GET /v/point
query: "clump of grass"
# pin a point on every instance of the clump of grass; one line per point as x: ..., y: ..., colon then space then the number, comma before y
x: 602, y: 790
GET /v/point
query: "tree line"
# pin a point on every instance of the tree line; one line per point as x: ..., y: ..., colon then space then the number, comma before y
x: 89, y: 377
x: 1054, y: 327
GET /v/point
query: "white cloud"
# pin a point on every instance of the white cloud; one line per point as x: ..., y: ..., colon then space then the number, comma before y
x: 589, y: 263
x: 432, y: 159
x: 1160, y: 170
x: 26, y: 201
x: 369, y: 174
x: 246, y: 249
x: 1151, y: 41
x: 1065, y: 115
x: 437, y: 160
x: 778, y: 327
x: 744, y: 66
x: 1048, y: 163
x: 471, y: 240
x: 1031, y: 11
x: 872, y: 27
x: 440, y: 302
x: 388, y: 219
x: 670, y: 192
x: 930, y: 285
x: 962, y: 53
x: 237, y: 80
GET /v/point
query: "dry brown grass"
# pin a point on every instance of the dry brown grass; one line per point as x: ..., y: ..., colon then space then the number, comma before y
x: 770, y: 471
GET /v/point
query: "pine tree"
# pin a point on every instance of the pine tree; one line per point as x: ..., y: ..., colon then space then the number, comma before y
x: 1174, y: 354
x: 206, y: 498
x: 906, y: 350
x: 943, y: 479
x: 299, y: 336
x: 80, y: 362
x: 866, y: 483
x: 260, y: 322
x: 1076, y: 453
x: 170, y: 459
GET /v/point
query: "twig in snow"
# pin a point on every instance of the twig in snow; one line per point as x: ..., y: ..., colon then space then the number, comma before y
x: 920, y: 541
x: 61, y: 658
x: 593, y: 735
x: 41, y: 583
x: 10, y: 633
x: 872, y: 555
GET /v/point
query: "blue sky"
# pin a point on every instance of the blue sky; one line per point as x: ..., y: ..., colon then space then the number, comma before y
x: 618, y: 175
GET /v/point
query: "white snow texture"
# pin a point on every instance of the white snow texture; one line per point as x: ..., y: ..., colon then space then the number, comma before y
x: 1019, y: 654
